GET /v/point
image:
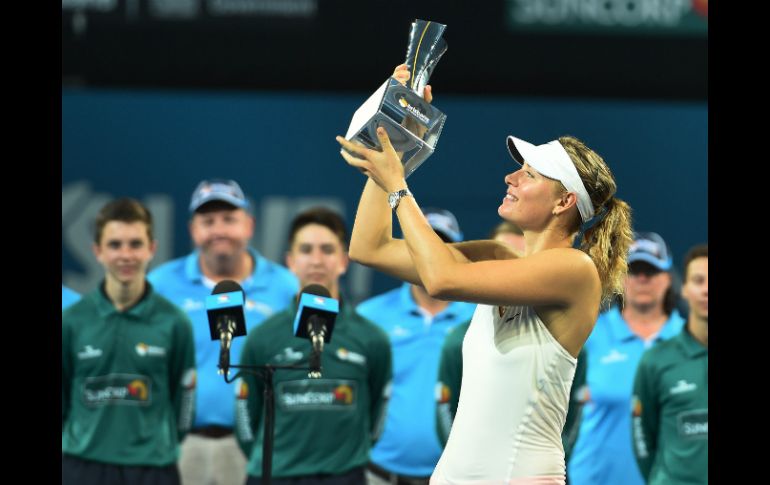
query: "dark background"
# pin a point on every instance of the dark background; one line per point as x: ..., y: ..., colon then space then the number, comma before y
x: 343, y: 45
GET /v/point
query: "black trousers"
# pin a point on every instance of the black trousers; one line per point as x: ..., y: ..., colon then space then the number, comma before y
x: 355, y: 476
x: 75, y: 471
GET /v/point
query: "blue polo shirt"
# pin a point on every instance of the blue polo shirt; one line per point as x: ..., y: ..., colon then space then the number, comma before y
x: 603, y: 453
x: 269, y: 289
x: 409, y: 444
x: 68, y: 297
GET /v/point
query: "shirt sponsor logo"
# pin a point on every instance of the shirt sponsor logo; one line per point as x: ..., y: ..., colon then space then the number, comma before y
x: 443, y: 393
x: 257, y: 306
x: 241, y: 390
x: 399, y: 331
x: 145, y: 350
x: 583, y: 394
x: 317, y: 394
x: 187, y: 407
x: 288, y: 355
x: 639, y: 439
x: 350, y: 356
x: 613, y: 357
x: 242, y: 417
x: 190, y: 305
x: 89, y: 353
x: 117, y: 389
x: 683, y: 386
x: 189, y: 379
x: 693, y: 425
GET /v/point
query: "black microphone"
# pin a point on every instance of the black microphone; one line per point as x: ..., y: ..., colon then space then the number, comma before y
x: 225, y: 312
x: 316, y: 312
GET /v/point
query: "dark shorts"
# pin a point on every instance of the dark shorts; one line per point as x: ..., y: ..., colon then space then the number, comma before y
x: 76, y: 471
x: 355, y: 476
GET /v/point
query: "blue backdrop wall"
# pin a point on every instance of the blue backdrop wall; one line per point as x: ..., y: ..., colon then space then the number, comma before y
x: 156, y: 146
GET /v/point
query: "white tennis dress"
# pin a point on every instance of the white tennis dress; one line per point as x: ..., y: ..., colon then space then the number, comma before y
x: 513, y: 402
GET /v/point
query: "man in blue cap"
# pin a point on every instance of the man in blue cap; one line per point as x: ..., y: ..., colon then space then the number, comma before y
x: 417, y: 324
x: 603, y: 452
x: 221, y: 228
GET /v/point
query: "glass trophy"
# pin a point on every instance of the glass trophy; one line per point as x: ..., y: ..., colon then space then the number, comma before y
x: 413, y: 124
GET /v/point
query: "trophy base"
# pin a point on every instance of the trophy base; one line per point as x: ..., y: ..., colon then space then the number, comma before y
x: 413, y: 125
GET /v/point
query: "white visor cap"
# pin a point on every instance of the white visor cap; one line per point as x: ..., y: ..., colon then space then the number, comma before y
x: 552, y: 160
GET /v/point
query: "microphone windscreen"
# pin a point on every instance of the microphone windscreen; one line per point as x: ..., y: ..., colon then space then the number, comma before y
x: 226, y: 286
x: 317, y: 290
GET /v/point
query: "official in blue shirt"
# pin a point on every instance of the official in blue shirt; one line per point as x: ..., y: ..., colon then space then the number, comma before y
x: 68, y: 297
x: 221, y: 229
x: 603, y: 453
x: 417, y: 325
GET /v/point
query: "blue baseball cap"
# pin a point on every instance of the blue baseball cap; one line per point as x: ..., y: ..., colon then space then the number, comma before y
x: 217, y: 189
x: 444, y: 222
x: 650, y: 248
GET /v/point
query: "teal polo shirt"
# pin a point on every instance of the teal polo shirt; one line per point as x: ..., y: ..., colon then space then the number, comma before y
x: 671, y: 412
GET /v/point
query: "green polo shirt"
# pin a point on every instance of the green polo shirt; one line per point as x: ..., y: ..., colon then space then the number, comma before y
x: 322, y: 426
x: 670, y: 412
x: 128, y: 380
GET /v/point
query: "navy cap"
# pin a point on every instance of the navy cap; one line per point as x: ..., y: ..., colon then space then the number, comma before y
x: 216, y: 189
x: 445, y: 222
x: 650, y: 248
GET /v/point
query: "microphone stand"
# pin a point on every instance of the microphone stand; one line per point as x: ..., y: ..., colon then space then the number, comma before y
x: 266, y: 373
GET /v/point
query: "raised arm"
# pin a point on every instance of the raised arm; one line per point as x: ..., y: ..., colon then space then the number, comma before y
x: 559, y: 276
x: 372, y: 241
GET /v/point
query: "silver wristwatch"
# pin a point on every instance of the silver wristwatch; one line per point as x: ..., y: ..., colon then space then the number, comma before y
x: 395, y: 197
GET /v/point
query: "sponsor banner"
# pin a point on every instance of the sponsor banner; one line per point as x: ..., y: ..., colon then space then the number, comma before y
x: 243, y: 8
x: 177, y: 10
x: 117, y: 389
x: 317, y: 394
x: 654, y: 17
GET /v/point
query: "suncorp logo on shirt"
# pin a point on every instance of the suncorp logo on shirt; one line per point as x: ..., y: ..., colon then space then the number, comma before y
x: 116, y: 389
x: 329, y: 394
x: 693, y: 425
